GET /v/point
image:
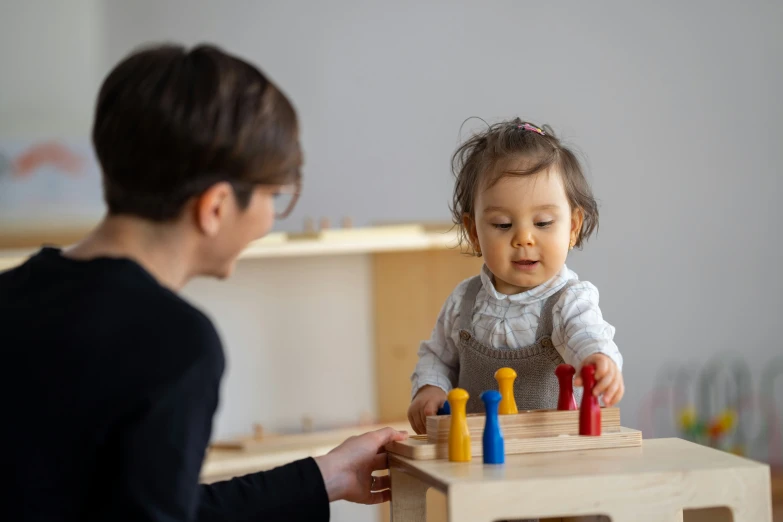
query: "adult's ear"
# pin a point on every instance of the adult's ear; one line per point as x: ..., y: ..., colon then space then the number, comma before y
x: 212, y: 207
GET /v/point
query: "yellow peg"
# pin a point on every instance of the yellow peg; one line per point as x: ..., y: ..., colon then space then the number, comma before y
x: 459, y: 434
x: 505, y: 378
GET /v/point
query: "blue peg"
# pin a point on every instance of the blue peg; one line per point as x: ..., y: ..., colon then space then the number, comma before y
x: 494, y: 452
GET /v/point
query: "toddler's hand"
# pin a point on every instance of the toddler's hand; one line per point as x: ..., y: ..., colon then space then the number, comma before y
x: 426, y: 402
x: 608, y: 378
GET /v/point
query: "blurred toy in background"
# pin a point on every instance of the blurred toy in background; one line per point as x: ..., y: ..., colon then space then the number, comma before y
x: 770, y: 436
x: 716, y: 406
x: 725, y: 403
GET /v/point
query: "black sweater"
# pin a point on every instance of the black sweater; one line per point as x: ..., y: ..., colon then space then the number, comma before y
x: 110, y: 384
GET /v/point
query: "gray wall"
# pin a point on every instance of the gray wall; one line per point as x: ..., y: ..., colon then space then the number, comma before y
x: 675, y: 105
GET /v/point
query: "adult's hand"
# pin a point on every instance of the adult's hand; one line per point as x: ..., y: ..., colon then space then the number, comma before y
x: 347, y: 469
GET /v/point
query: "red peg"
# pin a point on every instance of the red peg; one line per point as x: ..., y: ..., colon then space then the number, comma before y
x: 590, y: 412
x: 565, y: 374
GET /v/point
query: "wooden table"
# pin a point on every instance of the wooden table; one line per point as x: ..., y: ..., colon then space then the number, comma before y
x: 654, y: 482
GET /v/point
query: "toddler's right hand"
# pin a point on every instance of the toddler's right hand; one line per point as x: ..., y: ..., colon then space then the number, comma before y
x: 426, y: 402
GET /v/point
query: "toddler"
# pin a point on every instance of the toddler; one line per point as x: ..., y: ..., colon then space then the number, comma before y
x: 522, y: 202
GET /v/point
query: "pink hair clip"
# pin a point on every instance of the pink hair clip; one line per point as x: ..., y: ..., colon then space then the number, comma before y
x: 533, y: 128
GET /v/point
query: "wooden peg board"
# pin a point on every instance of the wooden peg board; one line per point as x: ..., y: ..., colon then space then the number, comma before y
x: 526, y: 424
x: 526, y: 432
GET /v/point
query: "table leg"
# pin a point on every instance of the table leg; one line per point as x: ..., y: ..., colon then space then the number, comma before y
x: 409, y: 497
x: 760, y: 511
x: 754, y: 499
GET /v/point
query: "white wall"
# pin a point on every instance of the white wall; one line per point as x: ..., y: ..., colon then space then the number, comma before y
x: 49, y: 67
x: 298, y: 336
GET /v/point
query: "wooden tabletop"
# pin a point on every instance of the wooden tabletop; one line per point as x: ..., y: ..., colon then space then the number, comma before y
x: 654, y: 456
x: 656, y: 481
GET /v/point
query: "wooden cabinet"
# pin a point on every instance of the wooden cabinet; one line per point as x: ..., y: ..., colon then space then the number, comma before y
x: 409, y: 289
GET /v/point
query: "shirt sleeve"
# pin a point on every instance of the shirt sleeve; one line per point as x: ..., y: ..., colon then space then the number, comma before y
x: 579, y: 329
x: 163, y: 448
x: 438, y: 363
x: 295, y: 491
x: 163, y: 439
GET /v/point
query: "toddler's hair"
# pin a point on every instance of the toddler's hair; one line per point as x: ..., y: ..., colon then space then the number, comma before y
x: 474, y: 165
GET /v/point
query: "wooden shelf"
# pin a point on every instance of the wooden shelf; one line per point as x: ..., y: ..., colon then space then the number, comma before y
x: 352, y: 241
x: 399, y: 238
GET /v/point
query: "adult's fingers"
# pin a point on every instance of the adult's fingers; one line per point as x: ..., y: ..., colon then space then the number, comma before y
x: 380, y: 497
x: 380, y: 462
x: 384, y: 436
x: 381, y: 483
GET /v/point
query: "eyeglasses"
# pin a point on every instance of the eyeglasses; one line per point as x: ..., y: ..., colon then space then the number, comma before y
x: 285, y: 199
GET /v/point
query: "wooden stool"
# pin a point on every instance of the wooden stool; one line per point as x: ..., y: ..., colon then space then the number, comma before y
x: 653, y: 482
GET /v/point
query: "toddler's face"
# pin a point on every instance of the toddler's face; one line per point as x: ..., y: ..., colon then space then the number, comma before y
x: 524, y: 226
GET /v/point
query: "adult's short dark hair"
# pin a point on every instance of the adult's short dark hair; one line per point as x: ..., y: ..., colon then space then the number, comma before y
x: 171, y: 122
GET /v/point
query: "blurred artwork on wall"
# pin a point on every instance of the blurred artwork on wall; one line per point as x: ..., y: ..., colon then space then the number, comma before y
x: 48, y: 187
